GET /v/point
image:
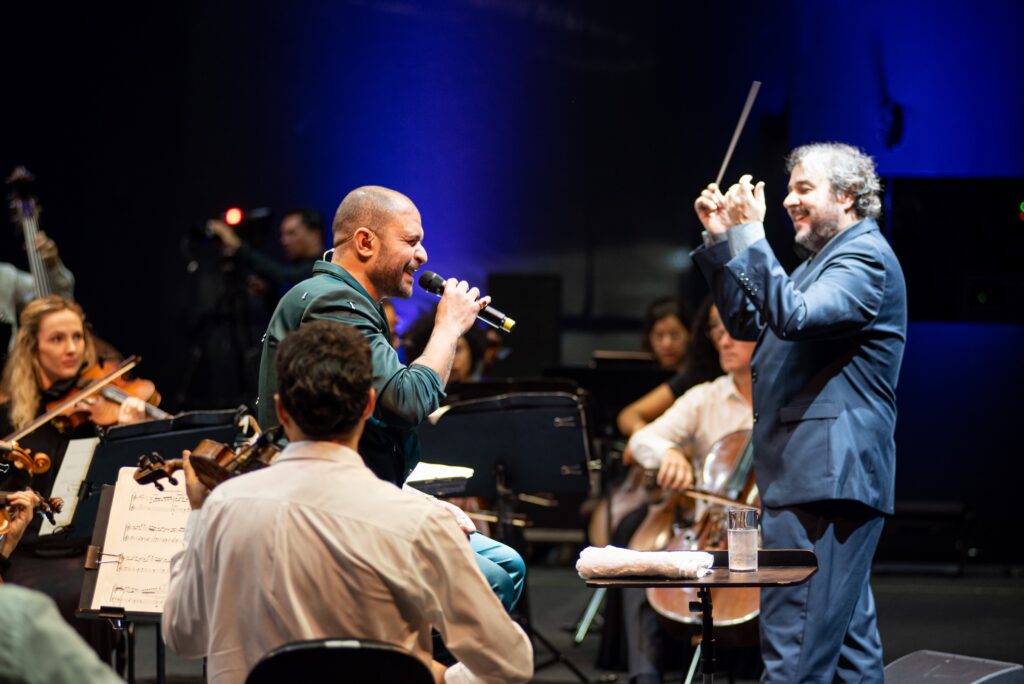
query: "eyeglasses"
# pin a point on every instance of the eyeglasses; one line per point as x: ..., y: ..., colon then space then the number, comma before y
x: 716, y: 332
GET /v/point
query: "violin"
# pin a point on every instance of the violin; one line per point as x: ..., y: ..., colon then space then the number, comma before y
x: 102, y: 407
x: 212, y: 461
x: 47, y: 507
x: 22, y: 459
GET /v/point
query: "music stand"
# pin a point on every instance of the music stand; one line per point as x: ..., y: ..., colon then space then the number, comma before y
x: 122, y: 446
x: 516, y: 443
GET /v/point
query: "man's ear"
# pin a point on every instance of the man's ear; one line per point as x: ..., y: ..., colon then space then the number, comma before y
x: 846, y: 201
x: 363, y: 242
x: 371, y: 399
x: 282, y: 412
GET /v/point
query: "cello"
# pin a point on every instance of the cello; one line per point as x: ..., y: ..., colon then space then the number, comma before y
x: 727, y: 479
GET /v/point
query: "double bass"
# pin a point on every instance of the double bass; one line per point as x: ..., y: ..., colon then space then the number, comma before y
x: 25, y: 212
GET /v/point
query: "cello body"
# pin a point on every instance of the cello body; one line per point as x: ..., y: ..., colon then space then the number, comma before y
x: 725, y: 474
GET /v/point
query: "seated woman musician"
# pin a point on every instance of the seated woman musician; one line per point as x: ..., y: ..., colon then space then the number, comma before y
x: 678, y: 343
x: 52, y: 348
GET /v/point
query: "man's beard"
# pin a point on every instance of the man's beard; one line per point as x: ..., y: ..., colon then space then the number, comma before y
x: 817, y: 235
x: 388, y: 280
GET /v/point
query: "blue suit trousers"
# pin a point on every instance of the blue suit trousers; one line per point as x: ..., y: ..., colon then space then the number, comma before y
x: 824, y: 630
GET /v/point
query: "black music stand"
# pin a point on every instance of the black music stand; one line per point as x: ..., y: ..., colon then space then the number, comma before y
x: 118, y: 448
x: 122, y: 446
x: 517, y: 443
x: 775, y: 568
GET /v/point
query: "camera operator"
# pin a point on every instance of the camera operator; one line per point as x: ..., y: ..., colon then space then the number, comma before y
x: 302, y: 240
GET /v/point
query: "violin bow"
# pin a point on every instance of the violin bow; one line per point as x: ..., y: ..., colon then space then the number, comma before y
x: 751, y: 96
x: 89, y: 390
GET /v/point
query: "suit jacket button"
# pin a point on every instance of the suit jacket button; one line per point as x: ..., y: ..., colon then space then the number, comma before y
x: 755, y: 417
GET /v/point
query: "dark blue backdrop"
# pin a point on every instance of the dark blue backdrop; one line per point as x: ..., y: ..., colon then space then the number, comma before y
x: 534, y: 136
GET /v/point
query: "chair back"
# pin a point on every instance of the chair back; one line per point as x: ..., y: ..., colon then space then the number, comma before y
x: 340, y: 660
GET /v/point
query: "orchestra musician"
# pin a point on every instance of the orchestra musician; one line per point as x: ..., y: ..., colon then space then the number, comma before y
x: 19, y: 511
x: 17, y: 287
x: 378, y: 246
x: 703, y: 415
x: 830, y: 339
x: 52, y: 348
x: 265, y: 549
x: 699, y: 364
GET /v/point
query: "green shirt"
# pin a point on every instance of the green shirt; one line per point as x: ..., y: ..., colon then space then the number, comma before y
x: 406, y: 395
x: 38, y: 646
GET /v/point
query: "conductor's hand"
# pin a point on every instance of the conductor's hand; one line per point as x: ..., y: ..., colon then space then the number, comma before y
x: 196, y: 490
x: 710, y: 207
x: 19, y: 511
x: 745, y: 202
x: 675, y: 472
x: 459, y: 306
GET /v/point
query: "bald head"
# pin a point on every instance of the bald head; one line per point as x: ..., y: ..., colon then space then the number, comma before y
x: 372, y: 207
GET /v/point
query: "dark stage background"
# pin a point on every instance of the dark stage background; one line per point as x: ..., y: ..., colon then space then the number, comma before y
x: 540, y: 137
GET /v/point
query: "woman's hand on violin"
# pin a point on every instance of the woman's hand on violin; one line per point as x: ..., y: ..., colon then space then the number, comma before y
x: 745, y: 202
x: 20, y: 509
x: 675, y: 472
x: 132, y: 410
x: 194, y: 489
x: 710, y: 207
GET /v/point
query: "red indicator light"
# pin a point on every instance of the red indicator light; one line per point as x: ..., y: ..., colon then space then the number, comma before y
x: 233, y: 216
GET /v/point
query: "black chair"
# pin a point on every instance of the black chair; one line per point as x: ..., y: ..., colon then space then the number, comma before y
x: 340, y: 660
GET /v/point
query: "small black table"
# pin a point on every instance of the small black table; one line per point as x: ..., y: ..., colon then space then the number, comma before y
x: 775, y: 568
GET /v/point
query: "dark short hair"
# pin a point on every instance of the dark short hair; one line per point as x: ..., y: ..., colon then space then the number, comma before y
x: 324, y: 376
x: 310, y: 218
x: 660, y: 308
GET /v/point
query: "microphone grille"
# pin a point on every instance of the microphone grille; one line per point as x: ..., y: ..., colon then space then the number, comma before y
x: 431, y: 282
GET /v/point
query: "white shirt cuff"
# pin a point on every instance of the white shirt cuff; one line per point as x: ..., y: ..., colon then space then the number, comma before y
x: 712, y: 239
x: 743, y: 235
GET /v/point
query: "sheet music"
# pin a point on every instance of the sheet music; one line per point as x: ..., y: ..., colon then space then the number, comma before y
x: 146, y: 527
x: 73, y: 470
x: 424, y: 472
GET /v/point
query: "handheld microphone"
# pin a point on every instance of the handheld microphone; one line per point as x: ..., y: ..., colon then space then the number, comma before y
x: 433, y: 283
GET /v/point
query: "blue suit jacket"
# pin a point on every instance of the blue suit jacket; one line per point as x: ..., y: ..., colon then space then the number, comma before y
x: 830, y: 340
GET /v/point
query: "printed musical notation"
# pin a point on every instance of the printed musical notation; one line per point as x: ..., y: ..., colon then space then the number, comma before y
x: 162, y: 502
x: 145, y: 529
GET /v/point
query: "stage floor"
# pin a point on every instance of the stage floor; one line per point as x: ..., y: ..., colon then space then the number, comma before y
x: 978, y: 614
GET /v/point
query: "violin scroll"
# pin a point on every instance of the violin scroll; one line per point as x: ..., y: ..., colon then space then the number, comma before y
x: 24, y: 459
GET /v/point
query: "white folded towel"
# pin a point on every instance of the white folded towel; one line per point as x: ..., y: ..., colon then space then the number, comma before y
x: 612, y: 561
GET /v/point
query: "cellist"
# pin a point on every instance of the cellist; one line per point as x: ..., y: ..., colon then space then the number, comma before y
x: 699, y: 418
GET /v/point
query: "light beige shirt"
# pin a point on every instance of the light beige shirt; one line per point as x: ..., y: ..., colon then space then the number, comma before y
x: 702, y: 416
x: 317, y: 546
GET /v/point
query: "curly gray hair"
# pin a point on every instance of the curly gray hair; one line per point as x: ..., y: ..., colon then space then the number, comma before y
x: 849, y: 170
